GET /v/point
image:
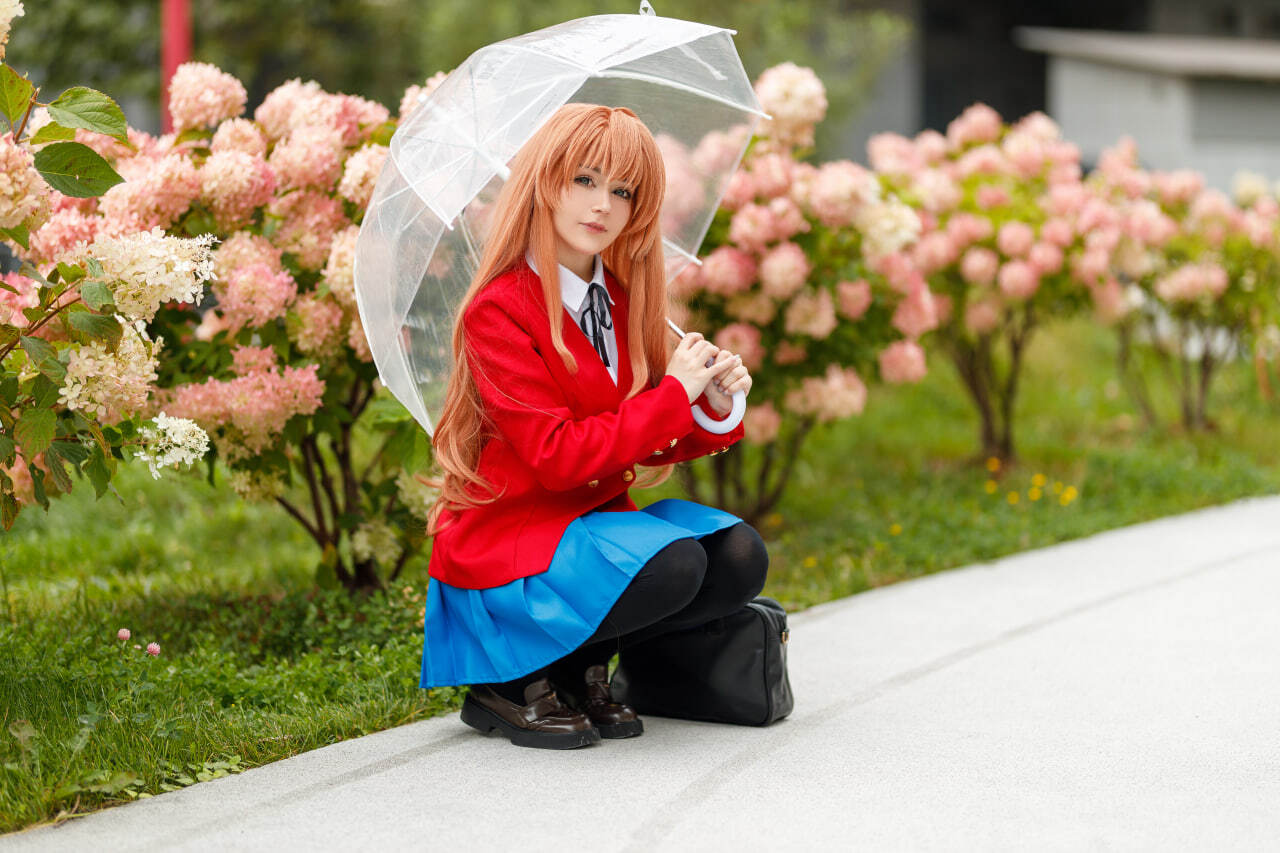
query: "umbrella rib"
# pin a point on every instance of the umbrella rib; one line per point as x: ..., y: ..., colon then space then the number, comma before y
x: 681, y: 251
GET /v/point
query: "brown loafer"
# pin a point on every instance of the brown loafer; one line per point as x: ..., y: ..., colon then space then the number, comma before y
x: 613, y: 719
x: 544, y: 722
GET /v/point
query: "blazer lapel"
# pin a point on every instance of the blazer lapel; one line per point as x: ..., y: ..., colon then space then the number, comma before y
x: 620, y: 314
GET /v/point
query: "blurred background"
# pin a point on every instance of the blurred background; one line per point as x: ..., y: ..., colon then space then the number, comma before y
x: 1193, y: 81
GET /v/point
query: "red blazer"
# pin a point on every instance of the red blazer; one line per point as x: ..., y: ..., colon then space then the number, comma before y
x: 560, y: 445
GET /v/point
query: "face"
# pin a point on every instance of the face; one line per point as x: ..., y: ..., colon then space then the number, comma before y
x: 592, y: 213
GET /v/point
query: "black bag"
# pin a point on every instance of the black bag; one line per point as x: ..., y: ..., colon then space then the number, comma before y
x: 731, y: 670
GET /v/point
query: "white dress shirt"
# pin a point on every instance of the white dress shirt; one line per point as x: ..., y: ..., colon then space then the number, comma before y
x: 573, y: 293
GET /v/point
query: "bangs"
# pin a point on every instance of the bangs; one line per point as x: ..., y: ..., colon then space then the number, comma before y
x: 621, y: 147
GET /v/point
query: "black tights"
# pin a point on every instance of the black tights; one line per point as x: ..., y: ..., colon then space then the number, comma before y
x: 688, y: 583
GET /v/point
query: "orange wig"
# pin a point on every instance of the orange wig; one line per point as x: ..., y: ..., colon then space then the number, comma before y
x: 617, y: 143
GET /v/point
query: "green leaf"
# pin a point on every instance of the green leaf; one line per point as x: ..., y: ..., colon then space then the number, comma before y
x: 8, y: 334
x: 6, y: 449
x: 9, y: 509
x: 88, y: 108
x: 71, y: 273
x: 22, y: 730
x: 98, y: 296
x: 73, y: 451
x: 34, y: 431
x: 76, y: 170
x: 44, y: 391
x: 9, y: 390
x: 37, y: 486
x: 97, y: 326
x: 15, y: 95
x: 29, y: 270
x: 52, y: 132
x: 37, y: 349
x: 53, y: 461
x: 19, y: 234
x: 95, y: 268
x: 98, y: 472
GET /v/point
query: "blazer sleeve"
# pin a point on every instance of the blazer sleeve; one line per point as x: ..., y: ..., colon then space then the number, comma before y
x: 697, y: 443
x: 527, y: 408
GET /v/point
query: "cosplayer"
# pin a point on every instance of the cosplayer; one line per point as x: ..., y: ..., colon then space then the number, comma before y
x: 563, y: 383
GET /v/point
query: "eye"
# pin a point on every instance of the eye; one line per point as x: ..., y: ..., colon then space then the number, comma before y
x: 623, y: 193
x: 584, y: 181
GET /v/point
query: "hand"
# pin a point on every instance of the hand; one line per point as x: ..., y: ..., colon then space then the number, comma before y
x: 732, y: 376
x: 689, y: 364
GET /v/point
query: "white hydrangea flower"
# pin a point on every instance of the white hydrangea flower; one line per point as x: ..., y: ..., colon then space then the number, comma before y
x: 888, y: 226
x: 112, y: 385
x: 9, y: 9
x: 172, y: 441
x: 377, y: 541
x: 257, y: 485
x: 416, y: 495
x: 147, y: 269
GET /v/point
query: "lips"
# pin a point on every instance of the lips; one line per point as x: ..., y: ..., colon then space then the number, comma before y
x: 594, y: 227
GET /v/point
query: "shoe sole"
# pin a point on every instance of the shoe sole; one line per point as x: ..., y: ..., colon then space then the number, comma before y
x: 621, y: 730
x: 484, y: 720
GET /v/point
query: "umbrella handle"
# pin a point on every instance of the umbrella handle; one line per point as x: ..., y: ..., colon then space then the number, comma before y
x: 710, y: 424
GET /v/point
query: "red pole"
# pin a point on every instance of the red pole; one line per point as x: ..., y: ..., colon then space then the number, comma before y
x: 175, y: 48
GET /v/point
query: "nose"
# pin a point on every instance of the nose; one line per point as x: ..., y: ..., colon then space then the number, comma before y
x: 603, y: 201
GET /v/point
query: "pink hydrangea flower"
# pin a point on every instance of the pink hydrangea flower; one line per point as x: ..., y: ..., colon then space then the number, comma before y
x: 309, y: 221
x: 753, y: 227
x: 758, y: 308
x: 916, y: 314
x: 308, y: 157
x: 1046, y: 258
x: 839, y: 393
x: 991, y: 196
x: 246, y: 360
x: 739, y: 192
x: 242, y: 249
x: 201, y: 95
x: 235, y: 183
x: 902, y: 362
x: 788, y: 221
x: 24, y: 196
x: 742, y: 339
x: 1018, y: 280
x: 937, y: 192
x: 969, y: 228
x: 157, y: 190
x: 239, y: 134
x: 254, y: 295
x: 787, y: 352
x: 840, y: 190
x: 894, y: 154
x: 415, y: 94
x: 1058, y: 232
x: 761, y: 424
x: 784, y: 270
x: 982, y: 316
x: 979, y: 266
x: 932, y: 146
x: 318, y: 330
x: 900, y: 271
x: 796, y: 100
x: 1191, y: 282
x: 771, y: 174
x: 727, y: 271
x: 65, y: 230
x: 812, y: 313
x: 1015, y: 238
x: 358, y: 340
x: 360, y: 174
x: 1109, y: 302
x: 339, y: 269
x: 934, y: 251
x: 978, y: 123
x: 983, y: 160
x: 853, y: 298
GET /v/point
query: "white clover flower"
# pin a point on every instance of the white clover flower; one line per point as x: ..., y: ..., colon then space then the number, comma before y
x: 146, y: 269
x: 416, y: 495
x: 377, y: 541
x: 172, y: 441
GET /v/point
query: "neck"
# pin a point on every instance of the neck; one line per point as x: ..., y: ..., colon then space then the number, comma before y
x: 577, y: 263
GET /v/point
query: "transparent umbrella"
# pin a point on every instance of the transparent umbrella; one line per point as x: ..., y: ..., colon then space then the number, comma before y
x: 424, y: 230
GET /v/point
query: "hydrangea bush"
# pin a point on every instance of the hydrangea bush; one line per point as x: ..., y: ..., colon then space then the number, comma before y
x: 1009, y: 241
x: 1197, y: 275
x: 78, y: 364
x: 789, y: 281
x: 274, y: 364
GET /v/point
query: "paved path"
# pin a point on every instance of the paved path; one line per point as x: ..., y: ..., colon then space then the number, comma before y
x: 1121, y: 692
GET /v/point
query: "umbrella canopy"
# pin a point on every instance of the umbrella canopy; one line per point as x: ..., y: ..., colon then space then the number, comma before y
x: 424, y: 230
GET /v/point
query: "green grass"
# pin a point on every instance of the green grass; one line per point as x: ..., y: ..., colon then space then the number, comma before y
x: 256, y: 665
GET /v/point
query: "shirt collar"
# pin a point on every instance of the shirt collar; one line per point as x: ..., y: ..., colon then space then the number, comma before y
x: 573, y: 290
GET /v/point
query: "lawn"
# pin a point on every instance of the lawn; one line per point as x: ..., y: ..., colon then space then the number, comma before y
x: 255, y: 664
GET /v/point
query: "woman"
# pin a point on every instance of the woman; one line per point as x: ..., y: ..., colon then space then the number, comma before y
x: 542, y: 566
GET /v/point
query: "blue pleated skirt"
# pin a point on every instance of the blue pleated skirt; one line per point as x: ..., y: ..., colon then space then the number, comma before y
x: 475, y: 636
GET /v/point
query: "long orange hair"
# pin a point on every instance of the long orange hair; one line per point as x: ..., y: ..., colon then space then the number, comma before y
x: 617, y: 143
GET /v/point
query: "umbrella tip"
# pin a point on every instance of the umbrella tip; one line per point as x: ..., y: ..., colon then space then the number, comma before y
x: 646, y: 8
